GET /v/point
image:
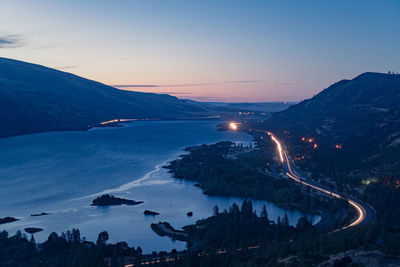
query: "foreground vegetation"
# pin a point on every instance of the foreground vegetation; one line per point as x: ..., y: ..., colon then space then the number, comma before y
x: 240, y: 237
x: 67, y: 249
x: 234, y: 237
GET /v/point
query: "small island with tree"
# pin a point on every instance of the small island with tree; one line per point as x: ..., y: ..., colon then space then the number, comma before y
x: 150, y: 213
x: 33, y: 230
x: 109, y: 200
x: 8, y: 220
x: 40, y: 214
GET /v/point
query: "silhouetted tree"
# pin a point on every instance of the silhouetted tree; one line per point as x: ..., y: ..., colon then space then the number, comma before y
x: 264, y: 213
x: 216, y: 210
x: 102, y: 239
x: 285, y: 220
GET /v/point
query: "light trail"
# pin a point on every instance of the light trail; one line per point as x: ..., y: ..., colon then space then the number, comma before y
x: 361, y: 213
x: 200, y: 254
x: 278, y: 144
x: 117, y: 120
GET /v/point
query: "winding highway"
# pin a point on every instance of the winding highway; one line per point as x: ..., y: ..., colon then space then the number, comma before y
x: 364, y: 213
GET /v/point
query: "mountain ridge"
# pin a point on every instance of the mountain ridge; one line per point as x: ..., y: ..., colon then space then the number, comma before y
x: 35, y: 98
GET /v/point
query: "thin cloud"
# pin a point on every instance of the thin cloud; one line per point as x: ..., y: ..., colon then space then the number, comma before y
x: 173, y: 93
x: 215, y: 98
x: 185, y: 85
x: 66, y: 67
x: 244, y: 81
x: 10, y: 41
x: 133, y: 85
x: 48, y: 46
x: 161, y: 85
x: 151, y: 86
x: 181, y: 85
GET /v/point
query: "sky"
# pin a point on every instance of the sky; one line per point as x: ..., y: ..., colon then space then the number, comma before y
x: 208, y: 50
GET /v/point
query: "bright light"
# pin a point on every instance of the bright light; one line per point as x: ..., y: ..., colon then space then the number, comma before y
x: 315, y: 146
x: 278, y: 144
x: 233, y: 126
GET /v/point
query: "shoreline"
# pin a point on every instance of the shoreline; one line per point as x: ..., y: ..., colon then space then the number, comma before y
x: 178, y: 169
x: 115, y: 125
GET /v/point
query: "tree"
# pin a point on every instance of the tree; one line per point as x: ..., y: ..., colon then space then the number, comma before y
x: 139, y: 250
x: 303, y: 223
x: 264, y: 213
x: 247, y: 207
x: 285, y: 220
x: 32, y: 240
x: 234, y: 209
x: 216, y: 210
x: 76, y: 235
x: 102, y: 239
x: 18, y: 235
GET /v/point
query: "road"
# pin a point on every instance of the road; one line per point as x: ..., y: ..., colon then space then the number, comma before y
x: 364, y: 213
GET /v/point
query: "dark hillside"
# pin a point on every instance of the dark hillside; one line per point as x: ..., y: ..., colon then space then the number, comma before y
x: 361, y: 115
x: 35, y: 98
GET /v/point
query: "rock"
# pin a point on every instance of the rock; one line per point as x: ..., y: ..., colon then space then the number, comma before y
x: 32, y: 230
x: 165, y: 229
x: 149, y: 212
x: 7, y: 220
x: 40, y: 214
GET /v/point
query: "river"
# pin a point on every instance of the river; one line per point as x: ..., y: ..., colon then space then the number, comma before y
x: 62, y: 172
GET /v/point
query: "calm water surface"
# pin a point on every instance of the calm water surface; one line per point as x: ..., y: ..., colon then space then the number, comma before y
x: 62, y: 172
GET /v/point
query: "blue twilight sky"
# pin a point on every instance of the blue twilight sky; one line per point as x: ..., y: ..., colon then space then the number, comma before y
x: 207, y: 50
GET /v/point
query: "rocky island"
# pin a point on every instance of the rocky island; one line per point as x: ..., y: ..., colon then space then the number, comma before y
x: 33, y: 230
x: 151, y: 213
x: 40, y: 214
x: 165, y: 229
x: 109, y: 200
x: 7, y: 220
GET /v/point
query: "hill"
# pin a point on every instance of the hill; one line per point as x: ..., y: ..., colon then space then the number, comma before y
x: 355, y: 125
x: 35, y: 98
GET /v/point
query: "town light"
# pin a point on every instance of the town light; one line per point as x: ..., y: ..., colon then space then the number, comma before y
x: 233, y: 126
